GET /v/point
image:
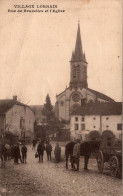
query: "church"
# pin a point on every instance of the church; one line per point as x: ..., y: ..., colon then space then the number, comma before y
x: 77, y: 94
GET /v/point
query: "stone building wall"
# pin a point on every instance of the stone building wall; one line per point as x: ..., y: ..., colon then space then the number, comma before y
x: 18, y: 115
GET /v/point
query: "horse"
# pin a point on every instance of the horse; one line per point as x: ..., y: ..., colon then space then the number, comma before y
x: 86, y: 149
x: 3, y: 155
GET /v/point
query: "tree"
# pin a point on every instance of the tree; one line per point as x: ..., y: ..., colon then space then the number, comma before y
x: 48, y: 109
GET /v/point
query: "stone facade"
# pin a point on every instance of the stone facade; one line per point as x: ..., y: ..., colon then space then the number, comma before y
x: 18, y: 119
x: 71, y: 99
x: 95, y: 123
x: 99, y: 118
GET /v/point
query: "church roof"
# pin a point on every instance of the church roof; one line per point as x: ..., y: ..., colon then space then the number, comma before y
x: 101, y: 95
x: 98, y: 95
x: 62, y: 92
x: 78, y: 54
x: 107, y: 108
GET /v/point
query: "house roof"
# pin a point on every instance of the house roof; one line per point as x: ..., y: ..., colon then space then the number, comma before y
x: 7, y: 104
x: 107, y: 108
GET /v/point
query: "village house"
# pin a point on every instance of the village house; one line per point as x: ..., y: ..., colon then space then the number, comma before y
x: 97, y: 119
x: 16, y: 118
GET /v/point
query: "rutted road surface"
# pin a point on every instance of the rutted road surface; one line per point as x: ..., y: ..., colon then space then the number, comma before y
x: 50, y: 178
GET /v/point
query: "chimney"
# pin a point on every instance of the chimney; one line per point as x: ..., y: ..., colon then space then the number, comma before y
x: 15, y: 98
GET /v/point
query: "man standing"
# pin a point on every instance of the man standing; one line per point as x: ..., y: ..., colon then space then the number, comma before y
x: 33, y: 144
x: 8, y: 151
x: 76, y: 154
x: 40, y: 150
x: 24, y: 153
x: 57, y: 152
x: 3, y: 154
x: 48, y: 150
x: 17, y: 155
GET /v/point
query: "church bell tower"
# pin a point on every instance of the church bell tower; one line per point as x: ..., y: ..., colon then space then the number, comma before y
x: 78, y: 64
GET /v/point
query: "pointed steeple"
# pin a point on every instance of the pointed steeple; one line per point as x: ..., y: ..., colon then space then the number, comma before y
x: 78, y: 54
x: 78, y: 64
x: 78, y: 47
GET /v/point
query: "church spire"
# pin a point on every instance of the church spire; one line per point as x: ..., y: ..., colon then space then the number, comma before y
x: 78, y: 77
x: 78, y: 53
x: 78, y: 46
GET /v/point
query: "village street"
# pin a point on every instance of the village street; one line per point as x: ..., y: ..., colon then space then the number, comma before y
x: 49, y: 178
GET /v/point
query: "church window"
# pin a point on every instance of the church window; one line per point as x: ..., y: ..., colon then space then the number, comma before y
x: 76, y: 127
x: 107, y: 118
x: 76, y: 97
x: 94, y: 118
x: 94, y: 126
x: 76, y: 118
x: 82, y: 127
x: 83, y: 119
x: 74, y: 71
x: 107, y: 126
x: 75, y: 107
x: 78, y: 71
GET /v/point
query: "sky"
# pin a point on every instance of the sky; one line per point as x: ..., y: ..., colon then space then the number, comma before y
x: 35, y: 48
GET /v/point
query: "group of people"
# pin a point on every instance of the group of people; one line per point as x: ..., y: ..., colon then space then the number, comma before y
x: 57, y: 152
x: 19, y: 154
x: 48, y: 147
x: 8, y: 151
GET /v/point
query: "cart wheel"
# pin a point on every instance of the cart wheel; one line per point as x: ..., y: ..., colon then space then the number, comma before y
x: 100, y: 161
x: 114, y: 166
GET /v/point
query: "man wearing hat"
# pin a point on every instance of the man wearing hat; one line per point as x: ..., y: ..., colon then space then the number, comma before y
x: 40, y: 150
x: 76, y: 154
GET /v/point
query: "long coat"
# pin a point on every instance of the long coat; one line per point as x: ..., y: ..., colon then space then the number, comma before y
x: 41, y: 148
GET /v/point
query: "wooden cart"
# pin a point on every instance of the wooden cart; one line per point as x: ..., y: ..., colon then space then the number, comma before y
x: 110, y: 152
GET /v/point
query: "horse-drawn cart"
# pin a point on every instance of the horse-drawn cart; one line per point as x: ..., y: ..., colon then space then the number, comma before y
x: 110, y: 152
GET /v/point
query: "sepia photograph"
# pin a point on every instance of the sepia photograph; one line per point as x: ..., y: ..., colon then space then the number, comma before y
x: 61, y: 98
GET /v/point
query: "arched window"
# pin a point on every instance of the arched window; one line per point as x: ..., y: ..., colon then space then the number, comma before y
x: 74, y: 71
x: 78, y: 71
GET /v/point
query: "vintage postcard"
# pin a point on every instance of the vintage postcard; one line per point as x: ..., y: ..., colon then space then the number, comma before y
x: 61, y: 97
